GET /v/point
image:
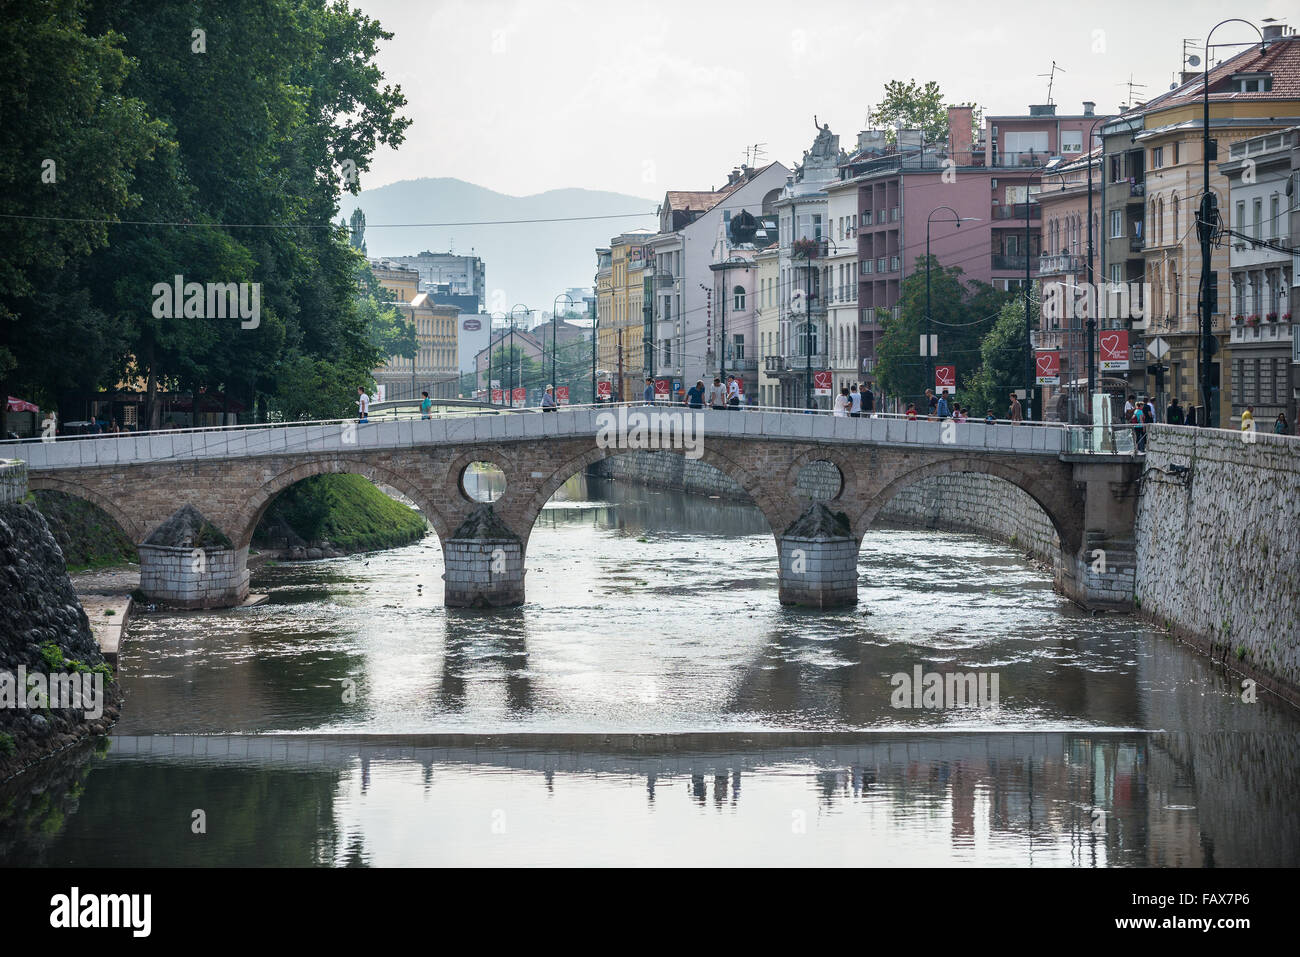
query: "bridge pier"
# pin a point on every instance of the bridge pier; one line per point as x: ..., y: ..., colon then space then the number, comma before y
x: 819, y: 560
x: 1101, y: 575
x: 484, y: 562
x: 188, y: 577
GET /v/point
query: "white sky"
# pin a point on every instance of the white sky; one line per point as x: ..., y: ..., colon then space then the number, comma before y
x: 521, y: 96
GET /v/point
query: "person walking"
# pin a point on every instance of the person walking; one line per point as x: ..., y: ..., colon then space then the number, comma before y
x: 855, y: 402
x: 941, y: 409
x: 695, y: 396
x: 988, y: 417
x: 911, y: 411
x: 842, y: 403
x: 649, y: 394
x: 1174, y: 414
x: 1248, y: 419
x: 1280, y: 425
x: 1014, y: 413
x: 363, y: 404
x: 426, y: 406
x: 869, y: 402
x: 733, y: 392
x: 1150, y: 409
x: 1139, y: 432
x: 931, y: 402
x: 548, y: 399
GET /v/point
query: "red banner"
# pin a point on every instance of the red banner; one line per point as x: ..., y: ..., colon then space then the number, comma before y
x: 562, y: 394
x: 520, y: 394
x: 822, y: 382
x: 1047, y: 365
x: 663, y: 387
x: 945, y: 379
x: 496, y: 395
x: 603, y: 389
x: 1114, y: 350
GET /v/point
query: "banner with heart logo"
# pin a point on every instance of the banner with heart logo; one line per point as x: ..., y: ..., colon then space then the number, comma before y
x: 1048, y: 365
x: 945, y: 380
x: 1114, y: 355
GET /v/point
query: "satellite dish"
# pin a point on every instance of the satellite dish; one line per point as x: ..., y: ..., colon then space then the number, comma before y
x: 1193, y: 60
x: 1173, y: 86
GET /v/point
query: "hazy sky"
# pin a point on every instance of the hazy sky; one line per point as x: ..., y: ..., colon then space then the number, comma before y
x: 522, y: 96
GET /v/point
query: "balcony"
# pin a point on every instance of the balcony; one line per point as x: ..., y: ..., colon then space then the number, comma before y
x: 1135, y: 244
x: 1017, y: 211
x: 1020, y: 263
x: 1137, y: 190
x: 742, y: 365
x: 665, y: 280
x: 1061, y: 265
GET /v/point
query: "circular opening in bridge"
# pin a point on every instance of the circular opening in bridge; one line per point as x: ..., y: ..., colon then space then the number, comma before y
x: 820, y: 481
x: 482, y: 482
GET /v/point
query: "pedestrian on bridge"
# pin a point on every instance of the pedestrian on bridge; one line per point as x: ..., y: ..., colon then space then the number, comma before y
x: 869, y: 402
x: 1279, y: 425
x: 363, y: 404
x: 695, y: 397
x: 649, y: 394
x: 1014, y: 413
x: 548, y: 399
x: 426, y: 406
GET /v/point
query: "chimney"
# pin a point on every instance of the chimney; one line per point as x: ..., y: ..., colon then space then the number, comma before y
x: 1042, y: 109
x: 1089, y: 108
x: 1187, y: 75
x: 960, y: 133
x: 1274, y: 31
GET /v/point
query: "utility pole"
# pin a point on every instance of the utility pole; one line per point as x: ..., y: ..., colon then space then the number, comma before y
x: 620, y: 365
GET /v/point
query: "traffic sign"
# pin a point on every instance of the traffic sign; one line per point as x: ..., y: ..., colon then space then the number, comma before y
x: 1158, y: 348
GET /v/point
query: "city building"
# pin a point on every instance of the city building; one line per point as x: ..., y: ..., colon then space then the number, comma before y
x: 1251, y: 93
x: 767, y: 322
x: 450, y: 279
x: 734, y: 348
x: 1262, y: 275
x: 435, y: 366
x: 840, y: 282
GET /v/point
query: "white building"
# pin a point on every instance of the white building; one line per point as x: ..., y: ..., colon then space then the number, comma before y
x: 471, y: 338
x: 686, y: 315
x: 840, y: 281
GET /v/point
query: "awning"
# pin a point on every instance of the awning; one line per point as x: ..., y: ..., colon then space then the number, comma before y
x: 19, y: 405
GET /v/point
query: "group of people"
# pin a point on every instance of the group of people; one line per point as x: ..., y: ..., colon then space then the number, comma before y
x: 1280, y: 424
x: 717, y: 396
x: 939, y: 408
x: 854, y: 401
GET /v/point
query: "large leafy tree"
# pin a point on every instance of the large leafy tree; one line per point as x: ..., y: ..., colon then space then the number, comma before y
x: 961, y: 314
x: 1002, y: 362
x: 915, y: 106
x: 256, y: 115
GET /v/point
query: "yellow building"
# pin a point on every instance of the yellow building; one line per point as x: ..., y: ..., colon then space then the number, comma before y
x: 1250, y: 93
x: 434, y: 368
x: 606, y: 353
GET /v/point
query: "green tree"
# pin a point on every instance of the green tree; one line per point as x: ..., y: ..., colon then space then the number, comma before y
x: 1002, y: 362
x: 916, y: 107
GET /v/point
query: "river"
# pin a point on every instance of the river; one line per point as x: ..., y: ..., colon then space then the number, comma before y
x: 654, y: 703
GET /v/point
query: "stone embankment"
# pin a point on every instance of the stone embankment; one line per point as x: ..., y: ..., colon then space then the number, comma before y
x: 43, y: 632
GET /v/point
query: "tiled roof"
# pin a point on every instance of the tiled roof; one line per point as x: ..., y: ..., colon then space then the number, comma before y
x: 1281, y: 59
x: 689, y: 199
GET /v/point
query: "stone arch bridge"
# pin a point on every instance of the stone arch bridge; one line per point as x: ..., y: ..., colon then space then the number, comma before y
x: 232, y: 475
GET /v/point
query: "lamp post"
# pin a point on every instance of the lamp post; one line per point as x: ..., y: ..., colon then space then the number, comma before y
x: 809, y: 401
x: 1208, y: 216
x: 1092, y: 285
x: 1029, y: 346
x: 491, y: 319
x: 958, y: 219
x: 568, y: 299
x: 513, y: 310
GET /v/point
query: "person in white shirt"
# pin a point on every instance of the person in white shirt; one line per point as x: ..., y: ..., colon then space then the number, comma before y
x: 733, y: 391
x: 718, y: 395
x: 842, y: 402
x: 363, y: 404
x: 855, y: 401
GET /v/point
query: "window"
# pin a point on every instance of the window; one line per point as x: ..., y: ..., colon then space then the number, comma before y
x: 1116, y: 224
x: 738, y: 347
x: 1116, y: 273
x: 866, y: 217
x: 1157, y: 157
x: 1175, y: 156
x: 1253, y: 82
x: 1258, y: 208
x: 1241, y: 215
x: 1072, y: 141
x: 1275, y: 226
x: 738, y: 294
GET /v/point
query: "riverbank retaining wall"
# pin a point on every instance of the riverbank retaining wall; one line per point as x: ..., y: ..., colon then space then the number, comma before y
x: 1218, y: 540
x: 670, y: 470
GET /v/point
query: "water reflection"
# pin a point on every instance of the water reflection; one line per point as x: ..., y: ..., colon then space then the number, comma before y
x: 1078, y: 800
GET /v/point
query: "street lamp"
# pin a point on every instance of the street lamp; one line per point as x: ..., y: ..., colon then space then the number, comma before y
x: 1208, y: 217
x: 569, y: 299
x: 1029, y: 347
x: 513, y: 310
x: 809, y: 402
x: 1092, y: 285
x: 724, y: 267
x: 958, y: 219
x: 491, y: 321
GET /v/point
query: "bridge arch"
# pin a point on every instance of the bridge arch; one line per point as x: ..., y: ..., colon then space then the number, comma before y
x: 778, y: 509
x: 133, y: 528
x: 251, y: 514
x: 1064, y: 516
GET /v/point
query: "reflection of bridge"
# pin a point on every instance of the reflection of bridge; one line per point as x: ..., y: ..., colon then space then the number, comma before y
x: 857, y: 465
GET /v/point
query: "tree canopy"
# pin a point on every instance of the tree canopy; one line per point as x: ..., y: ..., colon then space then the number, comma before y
x: 914, y: 106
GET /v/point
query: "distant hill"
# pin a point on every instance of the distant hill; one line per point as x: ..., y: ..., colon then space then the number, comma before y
x: 526, y: 263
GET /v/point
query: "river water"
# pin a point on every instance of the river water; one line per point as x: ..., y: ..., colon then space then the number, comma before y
x: 654, y: 703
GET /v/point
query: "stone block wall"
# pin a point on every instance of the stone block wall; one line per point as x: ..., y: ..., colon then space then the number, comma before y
x: 483, y: 572
x: 1219, y: 547
x: 13, y: 481
x: 970, y: 502
x: 670, y: 470
x: 176, y: 576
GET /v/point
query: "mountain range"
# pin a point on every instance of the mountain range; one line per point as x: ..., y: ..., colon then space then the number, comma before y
x: 524, y: 262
